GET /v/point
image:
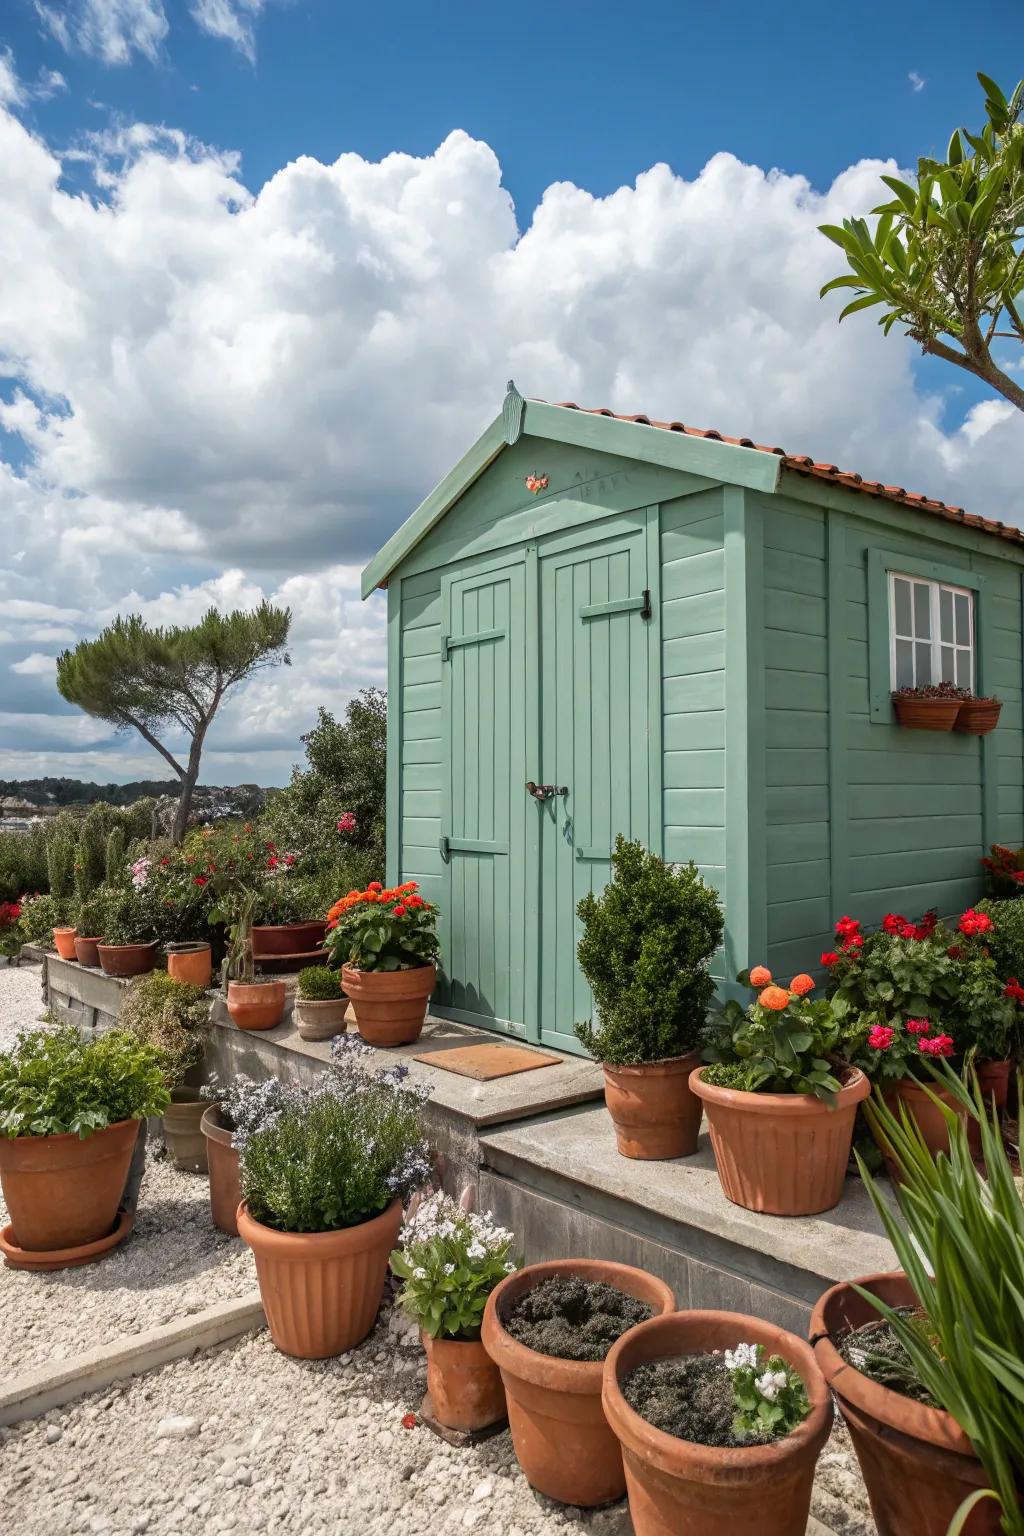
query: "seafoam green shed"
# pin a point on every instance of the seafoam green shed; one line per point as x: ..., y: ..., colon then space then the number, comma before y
x: 691, y: 640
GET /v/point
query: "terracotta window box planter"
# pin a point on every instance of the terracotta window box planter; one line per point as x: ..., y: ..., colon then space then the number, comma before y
x: 676, y: 1486
x: 561, y: 1437
x: 653, y: 1108
x: 927, y: 714
x: 256, y: 1004
x: 389, y: 1006
x: 978, y: 717
x: 191, y: 963
x: 464, y: 1386
x: 222, y: 1159
x: 127, y: 959
x: 63, y: 1192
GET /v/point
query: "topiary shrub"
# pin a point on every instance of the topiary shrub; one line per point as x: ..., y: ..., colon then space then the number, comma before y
x: 319, y: 984
x: 1005, y: 940
x: 647, y: 941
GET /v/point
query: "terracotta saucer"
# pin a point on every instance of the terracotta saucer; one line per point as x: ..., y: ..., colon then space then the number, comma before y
x: 63, y: 1258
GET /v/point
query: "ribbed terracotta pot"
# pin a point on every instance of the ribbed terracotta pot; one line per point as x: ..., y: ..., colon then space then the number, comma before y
x: 927, y: 714
x: 256, y: 1004
x: 64, y: 1191
x: 560, y: 1434
x: 464, y: 1384
x: 321, y: 1291
x: 653, y: 1108
x: 127, y: 959
x: 222, y: 1158
x: 917, y: 1463
x: 977, y: 717
x: 320, y: 1018
x: 87, y: 950
x: 781, y: 1153
x: 678, y: 1488
x: 64, y: 942
x: 191, y: 963
x: 186, y: 1144
x: 925, y: 1111
x: 389, y: 1006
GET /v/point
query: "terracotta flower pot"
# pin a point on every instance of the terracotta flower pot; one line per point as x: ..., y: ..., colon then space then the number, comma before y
x: 321, y: 1290
x: 928, y: 1115
x: 560, y: 1434
x: 64, y: 942
x: 389, y: 1006
x: 782, y: 1153
x: 320, y: 1019
x: 256, y: 1004
x: 977, y: 717
x: 906, y: 1450
x: 222, y: 1158
x: 289, y: 946
x: 676, y: 1486
x: 463, y: 1383
x: 653, y: 1108
x: 127, y: 959
x: 927, y: 714
x: 87, y: 950
x: 186, y: 1144
x: 191, y: 963
x: 64, y: 1191
x: 994, y: 1082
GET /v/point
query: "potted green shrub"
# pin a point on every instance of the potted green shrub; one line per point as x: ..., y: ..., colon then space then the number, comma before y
x: 780, y: 1107
x: 386, y: 943
x: 449, y: 1260
x: 323, y: 1183
x: 70, y: 1111
x: 646, y: 946
x: 90, y: 925
x: 130, y: 940
x: 172, y: 1016
x: 320, y: 1003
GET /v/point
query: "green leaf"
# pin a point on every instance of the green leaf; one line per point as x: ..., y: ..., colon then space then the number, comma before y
x: 865, y: 303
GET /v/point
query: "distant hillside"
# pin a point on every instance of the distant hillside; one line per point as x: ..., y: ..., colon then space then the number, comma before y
x: 244, y: 799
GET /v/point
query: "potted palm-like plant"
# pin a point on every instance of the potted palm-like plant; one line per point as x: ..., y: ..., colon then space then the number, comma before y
x: 385, y: 941
x: 646, y: 946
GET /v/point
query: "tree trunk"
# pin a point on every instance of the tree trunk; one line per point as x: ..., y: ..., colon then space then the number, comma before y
x: 188, y: 784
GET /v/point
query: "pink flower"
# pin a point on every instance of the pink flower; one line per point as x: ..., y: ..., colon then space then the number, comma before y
x: 918, y: 1026
x: 347, y: 822
x: 938, y: 1045
x: 880, y: 1037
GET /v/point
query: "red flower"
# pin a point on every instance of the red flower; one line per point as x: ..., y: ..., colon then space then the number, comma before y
x: 892, y: 922
x: 938, y: 1045
x: 212, y: 866
x: 409, y: 1421
x: 200, y: 880
x: 271, y: 847
x: 398, y: 911
x: 830, y: 957
x: 973, y: 923
x: 847, y: 927
x: 374, y: 885
x: 955, y: 951
x: 272, y: 861
x: 347, y: 822
x: 1014, y: 989
x: 165, y: 861
x: 918, y: 1026
x: 415, y: 901
x: 852, y: 944
x: 880, y: 1037
x: 289, y: 859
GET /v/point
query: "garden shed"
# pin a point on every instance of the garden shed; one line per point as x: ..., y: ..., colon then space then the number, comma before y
x: 602, y: 624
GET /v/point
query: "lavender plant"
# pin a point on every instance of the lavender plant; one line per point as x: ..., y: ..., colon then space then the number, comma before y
x: 449, y: 1261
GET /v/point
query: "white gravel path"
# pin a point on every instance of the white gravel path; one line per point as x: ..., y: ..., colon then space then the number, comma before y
x: 21, y: 1001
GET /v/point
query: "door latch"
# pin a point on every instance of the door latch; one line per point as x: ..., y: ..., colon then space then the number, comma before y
x: 645, y: 611
x: 544, y: 792
x: 445, y: 849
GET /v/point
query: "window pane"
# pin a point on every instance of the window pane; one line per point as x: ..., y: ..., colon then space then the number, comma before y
x: 901, y: 606
x: 904, y: 664
x: 948, y: 664
x: 945, y: 614
x: 924, y: 664
x: 963, y: 621
x: 963, y: 669
x: 922, y: 611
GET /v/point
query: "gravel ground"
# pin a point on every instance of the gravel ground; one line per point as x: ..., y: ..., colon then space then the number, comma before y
x: 21, y: 1000
x: 244, y: 1439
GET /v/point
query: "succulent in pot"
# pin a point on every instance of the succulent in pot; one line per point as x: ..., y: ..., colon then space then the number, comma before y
x: 172, y: 1016
x: 70, y: 1112
x: 931, y: 707
x: 323, y: 1183
x: 449, y: 1260
x: 320, y: 1003
x: 647, y: 942
x: 385, y: 941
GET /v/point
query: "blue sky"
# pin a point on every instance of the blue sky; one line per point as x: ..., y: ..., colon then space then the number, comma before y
x: 225, y: 374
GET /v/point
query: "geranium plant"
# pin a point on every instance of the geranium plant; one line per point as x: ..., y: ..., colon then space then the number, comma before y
x: 383, y: 929
x: 10, y: 934
x: 449, y: 1261
x: 783, y: 1042
x: 1004, y: 871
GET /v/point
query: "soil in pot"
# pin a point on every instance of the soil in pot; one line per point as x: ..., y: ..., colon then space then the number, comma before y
x: 574, y: 1319
x: 690, y: 1397
x: 653, y: 1108
x: 191, y: 963
x: 64, y: 943
x: 876, y: 1351
x: 256, y: 1004
x: 87, y: 950
x: 186, y: 1144
x: 222, y: 1157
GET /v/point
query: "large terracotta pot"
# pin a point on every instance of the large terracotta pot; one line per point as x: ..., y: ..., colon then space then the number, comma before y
x: 64, y: 942
x: 87, y: 950
x: 927, y: 714
x: 288, y: 946
x: 678, y: 1488
x: 782, y: 1153
x: 320, y: 1018
x: 977, y: 717
x: 64, y: 1191
x: 127, y: 959
x: 653, y: 1108
x: 925, y: 1111
x: 907, y: 1451
x: 225, y: 1190
x: 464, y: 1384
x: 560, y: 1434
x: 191, y: 963
x: 256, y: 1004
x: 186, y: 1144
x: 321, y: 1290
x: 389, y: 1006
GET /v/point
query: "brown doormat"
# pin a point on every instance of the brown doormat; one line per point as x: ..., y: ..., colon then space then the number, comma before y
x: 487, y: 1060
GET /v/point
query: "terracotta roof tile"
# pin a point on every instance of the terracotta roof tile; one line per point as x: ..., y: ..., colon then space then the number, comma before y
x: 803, y: 464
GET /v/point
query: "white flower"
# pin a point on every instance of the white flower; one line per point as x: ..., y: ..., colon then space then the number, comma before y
x: 476, y: 1250
x: 419, y: 1273
x: 741, y: 1357
x: 771, y: 1384
x: 449, y: 1269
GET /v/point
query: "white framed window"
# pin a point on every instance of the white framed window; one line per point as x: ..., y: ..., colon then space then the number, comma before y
x: 931, y: 633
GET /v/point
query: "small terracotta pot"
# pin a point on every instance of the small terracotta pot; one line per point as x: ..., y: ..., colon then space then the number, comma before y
x: 191, y: 963
x: 927, y: 714
x: 63, y: 1191
x: 321, y: 1290
x: 87, y: 950
x: 977, y: 717
x: 560, y: 1434
x: 389, y: 1006
x: 186, y: 1144
x: 928, y: 1115
x: 653, y: 1108
x: 464, y: 1384
x: 781, y: 1153
x: 320, y: 1019
x: 676, y: 1486
x: 256, y: 1004
x: 906, y: 1450
x: 222, y: 1158
x: 127, y: 959
x: 64, y: 942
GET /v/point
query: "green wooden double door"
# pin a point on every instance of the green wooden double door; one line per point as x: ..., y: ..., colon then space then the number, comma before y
x: 550, y: 676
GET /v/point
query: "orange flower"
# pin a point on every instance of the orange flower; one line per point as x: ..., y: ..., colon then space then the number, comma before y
x: 802, y: 984
x: 775, y: 998
x: 760, y: 976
